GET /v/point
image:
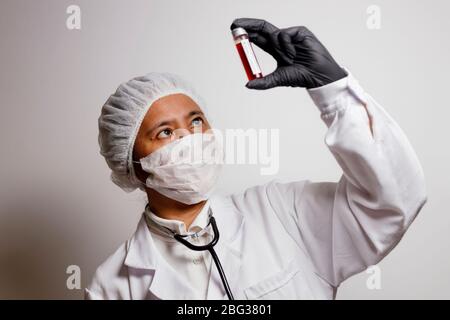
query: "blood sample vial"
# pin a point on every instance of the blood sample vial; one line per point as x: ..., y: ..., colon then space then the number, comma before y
x: 245, y: 50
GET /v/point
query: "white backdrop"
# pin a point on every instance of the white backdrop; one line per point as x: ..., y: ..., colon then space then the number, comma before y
x: 57, y: 205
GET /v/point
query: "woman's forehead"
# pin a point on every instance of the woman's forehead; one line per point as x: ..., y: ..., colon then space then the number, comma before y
x: 171, y: 106
x: 179, y: 99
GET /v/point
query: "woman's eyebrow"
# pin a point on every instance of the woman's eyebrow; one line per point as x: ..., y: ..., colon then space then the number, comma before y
x: 160, y: 124
x: 193, y: 113
x: 167, y: 122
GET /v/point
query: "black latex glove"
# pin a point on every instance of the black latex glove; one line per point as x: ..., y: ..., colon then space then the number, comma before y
x: 302, y: 61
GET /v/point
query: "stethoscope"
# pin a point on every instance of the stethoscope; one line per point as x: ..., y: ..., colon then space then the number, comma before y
x: 210, y: 247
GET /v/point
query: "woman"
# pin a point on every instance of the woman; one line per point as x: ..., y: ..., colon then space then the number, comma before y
x: 294, y: 240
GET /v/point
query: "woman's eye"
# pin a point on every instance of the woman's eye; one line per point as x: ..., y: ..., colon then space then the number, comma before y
x: 197, y: 122
x: 164, y: 134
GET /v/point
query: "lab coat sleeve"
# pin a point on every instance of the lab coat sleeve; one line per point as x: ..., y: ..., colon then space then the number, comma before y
x: 352, y: 224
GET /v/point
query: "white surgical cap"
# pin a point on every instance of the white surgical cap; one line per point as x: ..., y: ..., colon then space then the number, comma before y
x: 122, y: 115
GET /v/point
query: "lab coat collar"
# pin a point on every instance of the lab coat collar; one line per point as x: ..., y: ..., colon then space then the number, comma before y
x: 178, y: 226
x: 166, y: 282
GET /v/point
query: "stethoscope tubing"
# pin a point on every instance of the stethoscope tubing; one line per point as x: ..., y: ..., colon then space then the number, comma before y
x: 210, y: 248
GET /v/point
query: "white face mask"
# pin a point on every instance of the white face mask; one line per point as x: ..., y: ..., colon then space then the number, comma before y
x: 186, y: 169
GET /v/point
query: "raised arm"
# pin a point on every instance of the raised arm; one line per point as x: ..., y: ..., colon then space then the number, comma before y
x: 352, y: 224
x: 348, y: 225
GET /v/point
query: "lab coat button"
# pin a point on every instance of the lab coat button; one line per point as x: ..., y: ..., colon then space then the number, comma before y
x: 197, y: 260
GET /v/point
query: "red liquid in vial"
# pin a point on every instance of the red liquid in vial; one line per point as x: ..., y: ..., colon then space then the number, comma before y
x: 246, y: 63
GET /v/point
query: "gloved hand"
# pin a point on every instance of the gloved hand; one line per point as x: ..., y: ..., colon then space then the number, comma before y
x: 302, y: 61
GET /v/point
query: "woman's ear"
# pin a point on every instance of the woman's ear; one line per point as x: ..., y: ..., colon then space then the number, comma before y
x: 140, y: 174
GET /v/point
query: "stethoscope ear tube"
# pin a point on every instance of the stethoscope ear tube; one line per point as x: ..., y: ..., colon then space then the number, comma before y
x: 210, y: 248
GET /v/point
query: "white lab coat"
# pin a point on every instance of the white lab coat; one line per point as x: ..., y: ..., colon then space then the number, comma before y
x: 301, y: 239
